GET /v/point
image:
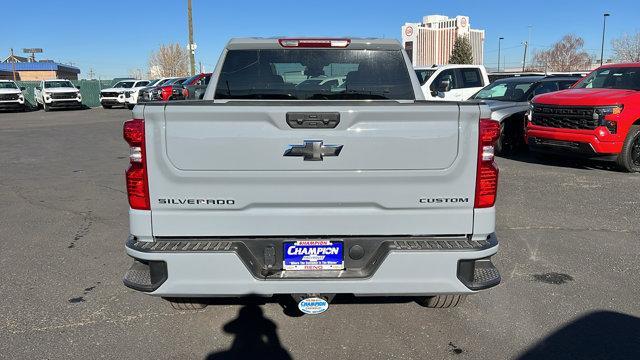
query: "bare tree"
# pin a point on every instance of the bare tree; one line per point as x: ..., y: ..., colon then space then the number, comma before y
x: 565, y: 55
x: 627, y: 48
x: 137, y: 74
x: 169, y: 60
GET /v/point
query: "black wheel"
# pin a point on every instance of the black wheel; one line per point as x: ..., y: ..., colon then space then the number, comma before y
x: 131, y: 106
x: 186, y: 303
x: 106, y: 106
x: 629, y: 158
x: 511, y: 136
x: 441, y: 301
x: 45, y: 107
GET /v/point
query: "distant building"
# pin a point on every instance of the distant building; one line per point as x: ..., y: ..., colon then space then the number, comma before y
x: 28, y: 70
x: 6, y: 75
x: 431, y: 42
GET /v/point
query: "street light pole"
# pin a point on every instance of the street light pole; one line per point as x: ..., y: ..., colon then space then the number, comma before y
x: 499, y: 43
x: 192, y: 50
x: 604, y: 26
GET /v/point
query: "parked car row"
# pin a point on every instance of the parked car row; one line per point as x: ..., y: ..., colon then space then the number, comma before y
x: 48, y: 94
x: 176, y: 89
x: 597, y: 116
x: 128, y: 93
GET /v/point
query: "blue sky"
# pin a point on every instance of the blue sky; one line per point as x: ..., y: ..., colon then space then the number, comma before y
x: 112, y: 37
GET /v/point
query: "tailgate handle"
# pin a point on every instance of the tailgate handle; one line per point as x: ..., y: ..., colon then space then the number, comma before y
x: 313, y: 120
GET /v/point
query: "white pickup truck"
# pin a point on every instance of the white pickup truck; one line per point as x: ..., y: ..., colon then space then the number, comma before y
x: 266, y: 187
x: 451, y: 82
x: 57, y: 93
x: 11, y: 96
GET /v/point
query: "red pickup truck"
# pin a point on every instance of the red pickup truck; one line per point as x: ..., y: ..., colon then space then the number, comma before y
x: 597, y: 117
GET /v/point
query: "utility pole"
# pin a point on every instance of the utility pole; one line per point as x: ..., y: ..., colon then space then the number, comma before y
x: 529, y: 40
x: 604, y: 26
x: 524, y: 58
x: 13, y: 65
x: 499, y: 43
x: 192, y: 49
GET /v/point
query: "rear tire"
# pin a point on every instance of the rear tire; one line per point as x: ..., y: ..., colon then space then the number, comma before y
x: 186, y: 304
x: 629, y: 158
x: 511, y: 136
x: 441, y: 301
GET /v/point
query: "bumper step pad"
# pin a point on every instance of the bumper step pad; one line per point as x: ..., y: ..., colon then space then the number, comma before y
x: 478, y: 274
x: 145, y: 276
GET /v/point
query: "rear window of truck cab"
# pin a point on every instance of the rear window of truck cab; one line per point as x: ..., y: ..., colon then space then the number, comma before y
x: 314, y: 74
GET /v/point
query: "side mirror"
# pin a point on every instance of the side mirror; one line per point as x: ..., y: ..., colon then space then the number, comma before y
x: 444, y: 86
x: 38, y: 88
x: 78, y: 87
x: 22, y: 88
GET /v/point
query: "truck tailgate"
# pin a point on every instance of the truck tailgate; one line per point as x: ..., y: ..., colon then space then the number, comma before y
x: 403, y: 169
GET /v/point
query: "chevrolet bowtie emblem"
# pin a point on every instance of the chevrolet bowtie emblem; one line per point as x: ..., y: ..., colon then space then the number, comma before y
x: 313, y: 150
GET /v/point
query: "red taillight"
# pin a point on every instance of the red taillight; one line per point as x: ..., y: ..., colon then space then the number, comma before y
x: 487, y: 176
x: 137, y: 181
x: 314, y: 42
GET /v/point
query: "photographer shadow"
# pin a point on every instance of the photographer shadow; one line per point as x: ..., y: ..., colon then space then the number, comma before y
x: 255, y: 337
x: 597, y: 335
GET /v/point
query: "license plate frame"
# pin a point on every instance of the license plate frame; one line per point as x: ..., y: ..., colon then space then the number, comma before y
x: 313, y: 255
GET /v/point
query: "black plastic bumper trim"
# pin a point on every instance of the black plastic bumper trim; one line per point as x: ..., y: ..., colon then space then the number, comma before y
x: 263, y: 257
x: 146, y: 276
x: 478, y: 274
x: 566, y: 148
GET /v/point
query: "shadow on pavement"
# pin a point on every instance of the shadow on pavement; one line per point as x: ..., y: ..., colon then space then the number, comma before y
x: 598, y: 335
x: 255, y: 337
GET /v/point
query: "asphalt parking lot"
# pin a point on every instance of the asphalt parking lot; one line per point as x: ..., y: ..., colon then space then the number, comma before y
x: 569, y: 256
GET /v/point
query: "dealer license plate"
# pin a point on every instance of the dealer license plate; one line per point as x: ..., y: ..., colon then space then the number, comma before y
x: 313, y: 255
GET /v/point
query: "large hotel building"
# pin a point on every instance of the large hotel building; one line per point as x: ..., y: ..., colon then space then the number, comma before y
x: 431, y: 42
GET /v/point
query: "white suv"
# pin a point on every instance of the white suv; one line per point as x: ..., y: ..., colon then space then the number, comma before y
x: 57, y: 93
x: 116, y: 95
x: 11, y: 97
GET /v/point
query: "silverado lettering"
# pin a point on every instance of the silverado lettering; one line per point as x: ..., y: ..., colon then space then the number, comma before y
x: 197, y: 201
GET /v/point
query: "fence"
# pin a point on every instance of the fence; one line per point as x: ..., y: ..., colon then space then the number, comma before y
x: 90, y: 90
